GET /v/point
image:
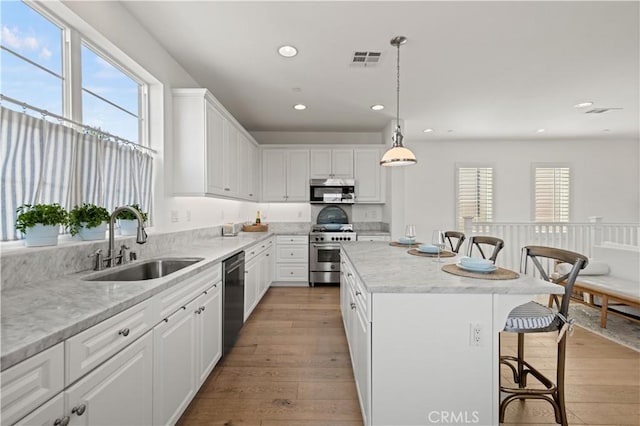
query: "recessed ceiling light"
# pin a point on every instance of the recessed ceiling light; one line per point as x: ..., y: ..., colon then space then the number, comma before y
x: 583, y: 104
x: 377, y: 107
x: 540, y: 131
x: 427, y: 130
x: 299, y: 107
x: 287, y: 51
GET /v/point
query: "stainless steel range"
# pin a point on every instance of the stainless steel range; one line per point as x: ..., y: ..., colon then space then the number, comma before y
x: 324, y: 252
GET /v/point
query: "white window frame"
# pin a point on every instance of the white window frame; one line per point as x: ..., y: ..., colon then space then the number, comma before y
x: 535, y: 166
x: 459, y: 166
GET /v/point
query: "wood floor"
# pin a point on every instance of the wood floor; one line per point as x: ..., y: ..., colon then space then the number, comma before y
x: 291, y: 367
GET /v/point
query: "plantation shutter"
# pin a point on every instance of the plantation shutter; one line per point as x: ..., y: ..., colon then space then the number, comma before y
x: 475, y: 194
x: 552, y: 194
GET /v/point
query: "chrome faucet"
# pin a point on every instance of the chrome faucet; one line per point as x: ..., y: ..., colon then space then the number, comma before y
x: 141, y: 236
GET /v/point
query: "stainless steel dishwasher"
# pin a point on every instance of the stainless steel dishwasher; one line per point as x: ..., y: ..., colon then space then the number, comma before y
x: 233, y: 300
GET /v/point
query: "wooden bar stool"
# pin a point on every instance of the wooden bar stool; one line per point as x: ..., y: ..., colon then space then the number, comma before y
x: 479, y: 241
x: 533, y: 317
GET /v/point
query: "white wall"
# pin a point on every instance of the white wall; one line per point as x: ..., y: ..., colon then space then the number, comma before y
x: 604, y: 179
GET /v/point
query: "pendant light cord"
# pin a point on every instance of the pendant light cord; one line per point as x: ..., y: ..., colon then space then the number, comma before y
x: 398, y: 89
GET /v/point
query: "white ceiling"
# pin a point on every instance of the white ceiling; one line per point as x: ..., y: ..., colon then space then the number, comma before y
x: 480, y: 70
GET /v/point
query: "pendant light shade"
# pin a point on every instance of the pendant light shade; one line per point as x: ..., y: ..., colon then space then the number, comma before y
x: 398, y: 155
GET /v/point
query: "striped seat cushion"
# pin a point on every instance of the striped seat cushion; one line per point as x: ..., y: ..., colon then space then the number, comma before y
x: 530, y: 316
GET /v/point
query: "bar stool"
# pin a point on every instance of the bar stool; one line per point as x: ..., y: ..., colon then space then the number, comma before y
x: 458, y: 238
x: 533, y: 317
x: 480, y: 240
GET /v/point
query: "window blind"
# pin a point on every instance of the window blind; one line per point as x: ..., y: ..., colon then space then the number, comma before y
x: 475, y: 194
x: 552, y: 194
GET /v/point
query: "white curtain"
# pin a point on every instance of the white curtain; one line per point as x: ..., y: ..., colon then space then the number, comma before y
x: 44, y: 162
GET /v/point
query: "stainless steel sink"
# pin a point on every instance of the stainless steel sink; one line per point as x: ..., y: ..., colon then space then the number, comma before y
x: 147, y: 270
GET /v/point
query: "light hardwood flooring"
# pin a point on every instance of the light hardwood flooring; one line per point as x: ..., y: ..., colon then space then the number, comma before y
x: 291, y: 367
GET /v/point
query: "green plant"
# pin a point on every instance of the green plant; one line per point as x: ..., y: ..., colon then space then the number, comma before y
x: 127, y: 215
x: 29, y: 215
x: 88, y: 214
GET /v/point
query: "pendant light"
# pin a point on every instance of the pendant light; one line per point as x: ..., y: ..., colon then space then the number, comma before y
x: 398, y: 155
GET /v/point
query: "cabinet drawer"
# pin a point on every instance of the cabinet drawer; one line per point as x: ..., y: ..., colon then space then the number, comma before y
x: 28, y: 384
x: 88, y: 349
x: 256, y: 249
x: 292, y: 272
x: 292, y: 239
x: 374, y: 238
x: 179, y: 295
x: 293, y: 253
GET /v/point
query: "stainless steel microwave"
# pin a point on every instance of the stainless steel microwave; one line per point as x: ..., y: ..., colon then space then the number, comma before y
x: 332, y: 191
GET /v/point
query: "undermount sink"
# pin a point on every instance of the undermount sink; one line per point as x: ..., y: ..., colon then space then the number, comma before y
x: 147, y: 270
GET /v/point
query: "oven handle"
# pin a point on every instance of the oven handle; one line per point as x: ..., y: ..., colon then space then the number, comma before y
x: 327, y: 246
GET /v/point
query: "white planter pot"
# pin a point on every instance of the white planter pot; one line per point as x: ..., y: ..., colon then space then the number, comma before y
x: 128, y: 226
x: 41, y: 235
x: 93, y: 234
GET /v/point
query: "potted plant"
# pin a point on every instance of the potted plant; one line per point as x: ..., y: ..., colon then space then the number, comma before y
x: 127, y: 221
x: 40, y: 223
x: 89, y: 221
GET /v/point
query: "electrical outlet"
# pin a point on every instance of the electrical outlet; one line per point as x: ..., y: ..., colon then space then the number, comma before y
x: 174, y: 216
x: 475, y: 334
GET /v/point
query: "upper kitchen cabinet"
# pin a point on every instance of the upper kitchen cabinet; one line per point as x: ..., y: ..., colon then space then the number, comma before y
x: 331, y: 163
x: 212, y: 152
x: 369, y: 175
x: 285, y: 175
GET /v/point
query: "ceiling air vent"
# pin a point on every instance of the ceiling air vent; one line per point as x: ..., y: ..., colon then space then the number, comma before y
x: 363, y: 58
x: 600, y: 110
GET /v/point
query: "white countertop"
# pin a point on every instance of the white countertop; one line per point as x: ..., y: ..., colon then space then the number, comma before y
x: 386, y: 269
x: 39, y: 315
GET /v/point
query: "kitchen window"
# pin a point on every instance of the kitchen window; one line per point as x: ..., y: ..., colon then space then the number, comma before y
x: 51, y: 66
x: 474, y: 195
x: 551, y: 193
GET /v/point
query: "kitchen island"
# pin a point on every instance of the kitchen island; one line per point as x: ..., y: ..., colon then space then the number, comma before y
x: 424, y: 343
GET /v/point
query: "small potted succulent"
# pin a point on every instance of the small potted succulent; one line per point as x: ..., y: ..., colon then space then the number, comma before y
x: 40, y: 223
x: 127, y: 221
x: 89, y: 221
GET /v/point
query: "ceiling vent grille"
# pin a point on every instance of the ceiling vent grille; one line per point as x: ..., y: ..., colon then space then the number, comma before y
x: 601, y: 110
x: 362, y: 58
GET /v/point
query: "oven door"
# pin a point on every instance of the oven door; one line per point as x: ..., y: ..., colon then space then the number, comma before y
x: 324, y: 257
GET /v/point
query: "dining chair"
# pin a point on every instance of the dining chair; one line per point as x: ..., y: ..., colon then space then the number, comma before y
x: 458, y: 239
x: 480, y: 241
x: 533, y: 317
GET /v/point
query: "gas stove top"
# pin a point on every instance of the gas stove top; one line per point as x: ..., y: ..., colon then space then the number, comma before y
x: 320, y: 233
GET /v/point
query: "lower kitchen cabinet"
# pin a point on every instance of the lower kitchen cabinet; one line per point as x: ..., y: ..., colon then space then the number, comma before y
x: 116, y: 393
x: 51, y: 413
x: 374, y: 237
x: 258, y: 274
x: 292, y: 260
x: 208, y: 331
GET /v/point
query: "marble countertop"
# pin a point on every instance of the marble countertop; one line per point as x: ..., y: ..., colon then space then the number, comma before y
x: 386, y: 269
x: 39, y: 315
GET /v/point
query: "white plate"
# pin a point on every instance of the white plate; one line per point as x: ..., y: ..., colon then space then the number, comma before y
x: 407, y: 241
x: 428, y: 249
x: 483, y: 270
x: 474, y: 262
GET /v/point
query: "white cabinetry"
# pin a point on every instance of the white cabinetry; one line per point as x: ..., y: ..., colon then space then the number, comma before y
x: 386, y: 237
x: 187, y: 345
x: 209, y: 146
x: 285, y: 175
x: 331, y: 163
x: 355, y: 306
x: 369, y: 175
x: 50, y: 413
x: 258, y: 272
x: 292, y: 259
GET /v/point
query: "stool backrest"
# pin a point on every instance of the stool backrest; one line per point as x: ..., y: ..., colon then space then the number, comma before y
x: 459, y: 236
x: 534, y: 254
x: 479, y: 240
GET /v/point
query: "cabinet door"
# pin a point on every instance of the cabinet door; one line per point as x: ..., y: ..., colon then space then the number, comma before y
x: 174, y: 365
x: 243, y: 166
x: 298, y: 175
x: 320, y: 163
x: 252, y: 172
x: 274, y: 175
x: 209, y: 331
x: 367, y: 173
x: 251, y: 284
x: 215, y: 140
x: 230, y: 158
x: 342, y: 163
x: 47, y: 414
x: 117, y: 392
x: 361, y: 353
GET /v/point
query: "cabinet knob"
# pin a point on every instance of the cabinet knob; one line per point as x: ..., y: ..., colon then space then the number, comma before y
x: 291, y: 272
x: 250, y: 195
x: 202, y: 308
x: 198, y: 311
x: 353, y: 305
x: 227, y: 189
x: 124, y: 332
x: 349, y: 274
x: 215, y: 285
x: 79, y: 410
x: 358, y: 293
x: 61, y: 422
